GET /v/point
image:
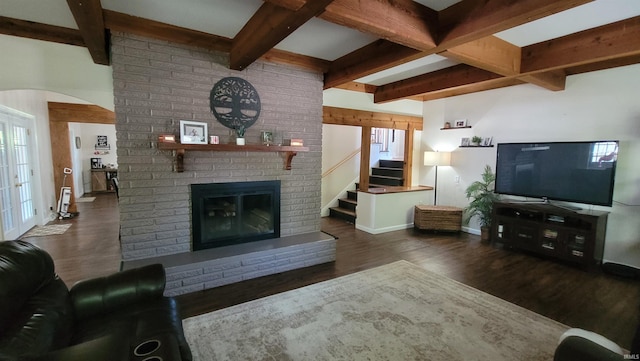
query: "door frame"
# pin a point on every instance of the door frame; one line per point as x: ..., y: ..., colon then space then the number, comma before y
x: 60, y: 115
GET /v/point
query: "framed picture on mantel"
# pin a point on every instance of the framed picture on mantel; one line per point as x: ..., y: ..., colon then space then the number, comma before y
x: 193, y: 132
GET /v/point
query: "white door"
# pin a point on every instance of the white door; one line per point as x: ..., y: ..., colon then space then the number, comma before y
x: 16, y: 173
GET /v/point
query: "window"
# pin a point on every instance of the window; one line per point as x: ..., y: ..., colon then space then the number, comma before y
x: 381, y: 136
x: 603, y: 153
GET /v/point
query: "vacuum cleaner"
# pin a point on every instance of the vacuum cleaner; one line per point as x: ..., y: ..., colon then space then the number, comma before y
x: 65, y: 197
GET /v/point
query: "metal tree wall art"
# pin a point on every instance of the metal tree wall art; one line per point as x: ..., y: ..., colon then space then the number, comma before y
x: 235, y: 103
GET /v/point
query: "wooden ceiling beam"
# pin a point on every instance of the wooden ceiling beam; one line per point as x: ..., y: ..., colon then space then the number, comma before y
x: 363, y: 118
x: 545, y: 61
x: 80, y: 113
x: 602, y: 44
x: 377, y: 56
x: 39, y: 31
x: 463, y: 22
x: 470, y: 20
x: 153, y: 29
x: 403, y: 22
x: 267, y: 27
x: 471, y: 88
x: 88, y: 16
x: 358, y: 87
x: 117, y: 21
x: 501, y: 57
x: 453, y: 77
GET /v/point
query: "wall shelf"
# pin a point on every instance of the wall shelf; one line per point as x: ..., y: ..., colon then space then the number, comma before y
x: 475, y: 146
x: 180, y: 149
x: 452, y: 128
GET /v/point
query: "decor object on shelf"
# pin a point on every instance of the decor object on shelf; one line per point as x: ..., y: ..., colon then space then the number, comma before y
x: 240, y: 135
x: 465, y: 142
x: 436, y: 159
x: 214, y: 139
x: 78, y: 143
x: 482, y: 195
x: 267, y: 138
x: 460, y: 123
x: 293, y: 142
x: 235, y: 102
x: 475, y: 140
x: 447, y: 125
x: 168, y: 138
x: 487, y: 141
x: 102, y: 142
x: 193, y: 132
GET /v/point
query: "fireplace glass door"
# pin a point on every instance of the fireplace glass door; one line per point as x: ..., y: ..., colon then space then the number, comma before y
x: 230, y: 213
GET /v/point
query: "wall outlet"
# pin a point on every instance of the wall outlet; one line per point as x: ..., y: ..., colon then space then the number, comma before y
x: 456, y: 179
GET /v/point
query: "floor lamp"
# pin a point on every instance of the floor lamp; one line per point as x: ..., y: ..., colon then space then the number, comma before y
x: 436, y: 159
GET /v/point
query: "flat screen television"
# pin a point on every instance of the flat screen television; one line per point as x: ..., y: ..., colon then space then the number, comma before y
x: 580, y: 172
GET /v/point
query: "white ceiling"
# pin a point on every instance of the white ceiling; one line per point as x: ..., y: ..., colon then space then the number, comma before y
x: 319, y: 38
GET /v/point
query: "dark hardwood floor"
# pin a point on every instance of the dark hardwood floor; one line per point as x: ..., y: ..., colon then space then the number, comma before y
x: 595, y: 301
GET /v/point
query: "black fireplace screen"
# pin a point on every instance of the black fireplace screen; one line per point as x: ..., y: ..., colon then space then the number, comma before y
x: 231, y: 213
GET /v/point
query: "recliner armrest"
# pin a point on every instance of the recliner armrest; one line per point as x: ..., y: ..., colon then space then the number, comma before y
x: 581, y: 345
x: 101, y: 295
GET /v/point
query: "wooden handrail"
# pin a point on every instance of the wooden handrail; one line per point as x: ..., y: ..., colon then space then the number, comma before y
x: 340, y: 163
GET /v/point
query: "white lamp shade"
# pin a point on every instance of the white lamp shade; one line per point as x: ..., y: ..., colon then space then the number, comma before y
x: 437, y: 158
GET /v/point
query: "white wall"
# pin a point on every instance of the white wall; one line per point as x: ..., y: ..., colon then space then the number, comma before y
x: 34, y: 102
x: 594, y: 106
x: 338, y: 143
x: 66, y: 69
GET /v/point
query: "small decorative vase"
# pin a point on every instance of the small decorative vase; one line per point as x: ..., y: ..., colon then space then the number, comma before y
x: 240, y: 141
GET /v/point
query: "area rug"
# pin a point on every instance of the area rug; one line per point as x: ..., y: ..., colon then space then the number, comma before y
x: 394, y: 312
x: 39, y: 231
x: 85, y: 199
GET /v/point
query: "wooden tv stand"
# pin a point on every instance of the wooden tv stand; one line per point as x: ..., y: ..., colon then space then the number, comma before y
x: 545, y: 229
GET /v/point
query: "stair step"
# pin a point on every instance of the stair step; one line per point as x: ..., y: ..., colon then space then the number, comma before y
x: 385, y: 180
x: 342, y: 213
x: 347, y: 203
x: 391, y: 172
x: 386, y: 163
x: 353, y: 195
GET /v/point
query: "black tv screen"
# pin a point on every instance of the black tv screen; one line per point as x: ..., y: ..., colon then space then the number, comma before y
x: 580, y: 172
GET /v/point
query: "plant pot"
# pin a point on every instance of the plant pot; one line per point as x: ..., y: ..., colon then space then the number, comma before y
x: 240, y: 141
x: 485, y: 234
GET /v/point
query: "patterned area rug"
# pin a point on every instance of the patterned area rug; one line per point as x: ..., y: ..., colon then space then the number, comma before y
x: 394, y: 312
x: 85, y: 199
x: 48, y: 230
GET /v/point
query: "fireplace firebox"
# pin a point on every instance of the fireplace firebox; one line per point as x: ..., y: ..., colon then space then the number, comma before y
x: 232, y: 213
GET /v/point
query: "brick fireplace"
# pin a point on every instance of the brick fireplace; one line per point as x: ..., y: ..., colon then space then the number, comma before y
x: 157, y: 84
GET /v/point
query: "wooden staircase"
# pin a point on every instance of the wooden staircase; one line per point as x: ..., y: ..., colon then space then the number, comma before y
x: 388, y: 173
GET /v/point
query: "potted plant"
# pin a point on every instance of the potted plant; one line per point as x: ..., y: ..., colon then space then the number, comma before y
x: 482, y: 198
x: 240, y: 135
x: 475, y: 140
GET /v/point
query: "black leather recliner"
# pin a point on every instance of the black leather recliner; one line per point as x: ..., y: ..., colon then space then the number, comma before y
x: 123, y: 316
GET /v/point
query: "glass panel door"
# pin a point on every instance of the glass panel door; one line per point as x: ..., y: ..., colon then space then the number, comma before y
x: 16, y: 173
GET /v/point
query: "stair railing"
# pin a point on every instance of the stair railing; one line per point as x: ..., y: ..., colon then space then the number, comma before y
x: 340, y: 163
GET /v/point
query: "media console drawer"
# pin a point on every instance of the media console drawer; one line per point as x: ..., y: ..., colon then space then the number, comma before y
x: 573, y: 236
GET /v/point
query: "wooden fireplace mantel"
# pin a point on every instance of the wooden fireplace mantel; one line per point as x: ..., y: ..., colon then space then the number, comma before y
x: 180, y: 149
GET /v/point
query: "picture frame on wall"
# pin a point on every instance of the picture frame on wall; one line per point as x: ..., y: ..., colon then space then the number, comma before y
x: 193, y: 132
x: 465, y: 142
x: 486, y: 142
x: 460, y: 123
